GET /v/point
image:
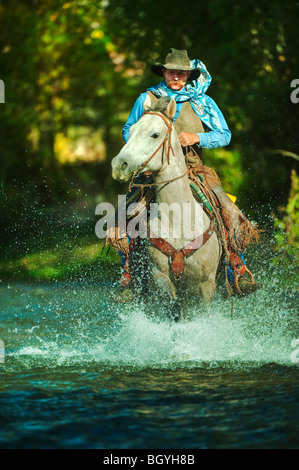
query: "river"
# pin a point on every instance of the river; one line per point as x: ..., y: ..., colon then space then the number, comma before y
x: 79, y: 371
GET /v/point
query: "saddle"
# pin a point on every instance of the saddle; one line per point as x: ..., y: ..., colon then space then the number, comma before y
x: 207, y: 185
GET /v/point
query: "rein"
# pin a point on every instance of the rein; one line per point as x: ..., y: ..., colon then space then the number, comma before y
x: 167, y: 138
x: 144, y: 185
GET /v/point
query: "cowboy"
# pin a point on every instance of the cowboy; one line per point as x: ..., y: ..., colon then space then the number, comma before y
x: 199, y: 124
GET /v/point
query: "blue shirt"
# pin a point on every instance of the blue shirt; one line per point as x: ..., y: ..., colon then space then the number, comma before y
x: 209, y: 140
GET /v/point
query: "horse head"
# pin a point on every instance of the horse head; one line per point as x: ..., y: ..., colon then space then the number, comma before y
x: 146, y: 147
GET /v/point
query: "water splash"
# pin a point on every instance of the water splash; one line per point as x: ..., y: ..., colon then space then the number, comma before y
x: 79, y: 327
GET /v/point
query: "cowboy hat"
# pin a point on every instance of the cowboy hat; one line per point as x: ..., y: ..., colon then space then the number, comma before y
x: 176, y: 60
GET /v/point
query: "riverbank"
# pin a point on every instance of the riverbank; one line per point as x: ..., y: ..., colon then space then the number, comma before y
x: 55, y: 244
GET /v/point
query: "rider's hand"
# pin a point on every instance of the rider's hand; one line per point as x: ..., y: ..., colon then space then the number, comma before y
x: 186, y: 139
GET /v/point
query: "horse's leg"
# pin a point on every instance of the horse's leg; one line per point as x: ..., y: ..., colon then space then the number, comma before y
x: 206, y: 290
x: 166, y: 294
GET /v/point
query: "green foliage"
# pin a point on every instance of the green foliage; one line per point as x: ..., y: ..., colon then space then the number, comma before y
x: 73, y: 70
x: 59, y: 69
x: 83, y: 63
x: 228, y: 166
x: 61, y: 262
x: 287, y: 227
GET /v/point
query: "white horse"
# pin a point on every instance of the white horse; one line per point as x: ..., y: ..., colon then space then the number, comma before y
x: 178, y: 261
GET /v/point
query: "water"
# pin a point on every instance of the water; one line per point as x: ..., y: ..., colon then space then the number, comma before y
x: 81, y: 371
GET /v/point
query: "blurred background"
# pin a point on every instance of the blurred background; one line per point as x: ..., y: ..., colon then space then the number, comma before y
x: 72, y: 72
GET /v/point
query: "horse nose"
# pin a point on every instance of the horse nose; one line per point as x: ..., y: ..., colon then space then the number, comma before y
x: 124, y: 166
x: 119, y: 166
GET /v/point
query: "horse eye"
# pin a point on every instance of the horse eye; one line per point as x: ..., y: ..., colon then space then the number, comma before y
x: 155, y: 135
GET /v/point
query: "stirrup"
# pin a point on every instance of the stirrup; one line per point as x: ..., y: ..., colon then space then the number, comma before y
x: 244, y: 286
x: 241, y: 284
x: 247, y: 287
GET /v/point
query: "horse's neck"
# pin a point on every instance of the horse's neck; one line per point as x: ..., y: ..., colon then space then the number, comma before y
x: 173, y: 189
x: 176, y: 187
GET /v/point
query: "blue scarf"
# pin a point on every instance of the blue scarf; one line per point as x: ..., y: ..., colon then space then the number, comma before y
x: 194, y: 93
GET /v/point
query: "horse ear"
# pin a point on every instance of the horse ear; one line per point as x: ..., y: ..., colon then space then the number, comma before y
x: 171, y: 109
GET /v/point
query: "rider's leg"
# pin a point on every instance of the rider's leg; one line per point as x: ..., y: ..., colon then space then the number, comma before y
x: 133, y: 196
x: 239, y: 229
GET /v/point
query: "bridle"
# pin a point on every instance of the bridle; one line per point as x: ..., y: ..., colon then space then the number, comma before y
x: 165, y: 143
